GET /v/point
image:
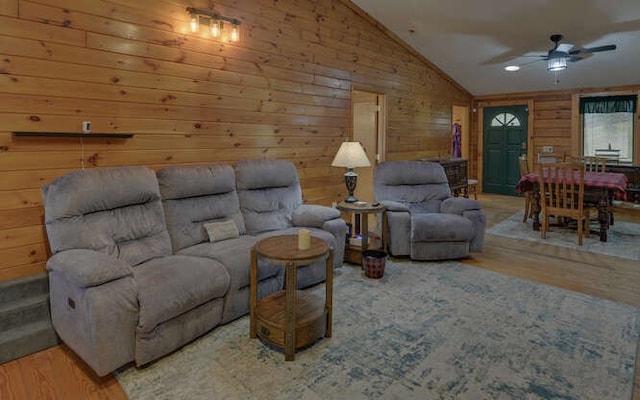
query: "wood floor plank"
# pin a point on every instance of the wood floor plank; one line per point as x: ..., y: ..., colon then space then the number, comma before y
x: 39, y: 376
x: 11, y: 384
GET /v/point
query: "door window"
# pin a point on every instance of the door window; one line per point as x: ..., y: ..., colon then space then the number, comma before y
x: 505, y: 119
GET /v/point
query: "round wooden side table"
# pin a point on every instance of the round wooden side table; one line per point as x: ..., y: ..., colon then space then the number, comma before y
x: 353, y: 254
x: 290, y: 318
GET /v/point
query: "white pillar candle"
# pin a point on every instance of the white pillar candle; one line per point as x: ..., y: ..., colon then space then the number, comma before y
x: 304, y: 239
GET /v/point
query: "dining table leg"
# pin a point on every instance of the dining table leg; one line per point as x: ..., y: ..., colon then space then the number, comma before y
x: 535, y: 207
x: 603, y: 214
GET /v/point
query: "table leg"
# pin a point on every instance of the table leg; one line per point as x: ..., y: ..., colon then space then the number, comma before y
x: 364, y: 236
x: 329, y: 293
x: 603, y: 215
x: 536, y: 208
x: 290, y: 335
x: 253, y: 301
x: 365, y: 231
x: 384, y: 232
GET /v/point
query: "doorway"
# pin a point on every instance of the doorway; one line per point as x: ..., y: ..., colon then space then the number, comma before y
x: 504, y: 140
x: 368, y: 111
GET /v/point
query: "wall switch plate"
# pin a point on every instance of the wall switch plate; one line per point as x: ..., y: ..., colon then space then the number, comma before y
x: 86, y: 126
x: 547, y: 149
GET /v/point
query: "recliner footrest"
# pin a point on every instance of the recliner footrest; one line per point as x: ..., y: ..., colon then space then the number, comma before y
x: 436, y: 227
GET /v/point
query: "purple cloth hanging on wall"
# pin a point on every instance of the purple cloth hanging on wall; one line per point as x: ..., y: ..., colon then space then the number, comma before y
x: 457, y: 141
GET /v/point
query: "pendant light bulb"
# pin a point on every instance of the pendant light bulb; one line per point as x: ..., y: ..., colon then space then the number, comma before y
x: 215, y: 28
x: 195, y: 24
x: 235, y: 33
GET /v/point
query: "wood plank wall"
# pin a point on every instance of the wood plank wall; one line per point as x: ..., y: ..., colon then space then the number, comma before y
x: 132, y: 67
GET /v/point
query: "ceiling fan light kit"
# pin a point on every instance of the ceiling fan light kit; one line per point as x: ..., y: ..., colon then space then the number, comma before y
x: 562, y: 53
x: 556, y: 63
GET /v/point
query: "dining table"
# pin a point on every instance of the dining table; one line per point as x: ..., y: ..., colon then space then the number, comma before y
x: 600, y: 188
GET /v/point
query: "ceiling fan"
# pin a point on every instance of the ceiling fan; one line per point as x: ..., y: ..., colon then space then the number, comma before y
x: 562, y: 52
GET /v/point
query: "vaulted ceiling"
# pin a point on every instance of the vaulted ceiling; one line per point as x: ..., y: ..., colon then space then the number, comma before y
x: 472, y: 41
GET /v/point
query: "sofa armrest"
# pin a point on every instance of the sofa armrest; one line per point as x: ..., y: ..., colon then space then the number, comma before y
x: 394, y: 206
x: 338, y: 228
x: 313, y: 216
x: 87, y: 268
x: 458, y: 205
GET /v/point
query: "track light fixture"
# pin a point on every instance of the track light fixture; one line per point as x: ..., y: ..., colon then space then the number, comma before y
x: 218, y: 25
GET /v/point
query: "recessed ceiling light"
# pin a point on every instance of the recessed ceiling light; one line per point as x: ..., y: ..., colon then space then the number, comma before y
x: 512, y: 68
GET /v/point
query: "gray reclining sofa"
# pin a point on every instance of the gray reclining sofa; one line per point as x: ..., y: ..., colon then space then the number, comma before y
x: 143, y: 263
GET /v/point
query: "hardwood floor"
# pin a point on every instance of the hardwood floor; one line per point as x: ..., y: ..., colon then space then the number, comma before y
x: 57, y: 373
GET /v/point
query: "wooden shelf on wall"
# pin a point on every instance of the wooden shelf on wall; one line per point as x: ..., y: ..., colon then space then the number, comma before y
x: 69, y: 135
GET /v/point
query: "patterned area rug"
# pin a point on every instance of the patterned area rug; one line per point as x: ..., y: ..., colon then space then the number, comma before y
x: 423, y: 331
x: 622, y: 238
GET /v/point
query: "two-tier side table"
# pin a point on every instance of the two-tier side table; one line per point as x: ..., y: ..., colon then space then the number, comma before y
x: 291, y: 318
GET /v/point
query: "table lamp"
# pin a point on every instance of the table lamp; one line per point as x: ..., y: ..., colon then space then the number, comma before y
x: 351, y: 155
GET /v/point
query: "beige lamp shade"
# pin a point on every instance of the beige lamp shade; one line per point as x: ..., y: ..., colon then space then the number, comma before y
x: 351, y: 155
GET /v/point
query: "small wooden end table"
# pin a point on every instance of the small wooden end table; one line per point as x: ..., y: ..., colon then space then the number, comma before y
x: 353, y: 254
x: 290, y: 318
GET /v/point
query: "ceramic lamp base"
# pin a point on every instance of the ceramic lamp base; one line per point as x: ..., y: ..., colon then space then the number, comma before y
x: 351, y: 180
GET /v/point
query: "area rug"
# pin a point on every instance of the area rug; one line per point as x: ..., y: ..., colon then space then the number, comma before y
x: 623, y: 238
x: 423, y: 331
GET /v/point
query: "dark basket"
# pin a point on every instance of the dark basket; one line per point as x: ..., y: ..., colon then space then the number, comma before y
x: 373, y: 263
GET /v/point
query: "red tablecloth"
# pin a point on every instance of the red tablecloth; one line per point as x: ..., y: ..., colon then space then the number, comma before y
x: 611, y: 180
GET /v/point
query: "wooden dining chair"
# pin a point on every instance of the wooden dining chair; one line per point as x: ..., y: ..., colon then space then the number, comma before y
x: 528, y: 204
x: 612, y: 155
x: 591, y: 163
x: 562, y: 195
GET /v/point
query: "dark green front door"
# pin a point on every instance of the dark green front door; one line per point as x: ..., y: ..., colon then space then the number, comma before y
x: 504, y: 139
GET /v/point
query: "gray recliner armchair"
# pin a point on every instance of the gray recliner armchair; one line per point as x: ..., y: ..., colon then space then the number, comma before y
x: 423, y: 221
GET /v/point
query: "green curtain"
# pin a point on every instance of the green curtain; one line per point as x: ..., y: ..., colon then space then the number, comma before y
x: 608, y: 104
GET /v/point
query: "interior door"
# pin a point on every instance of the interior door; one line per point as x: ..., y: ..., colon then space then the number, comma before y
x: 504, y: 140
x: 368, y: 129
x: 366, y: 110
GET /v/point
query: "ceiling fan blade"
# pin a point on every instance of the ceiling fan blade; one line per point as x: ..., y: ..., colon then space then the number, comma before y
x: 578, y: 58
x: 600, y: 48
x: 534, y: 61
x: 594, y: 49
x: 564, y: 47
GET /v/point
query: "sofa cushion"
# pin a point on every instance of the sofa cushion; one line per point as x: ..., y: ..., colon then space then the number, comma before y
x: 235, y: 255
x: 116, y: 211
x: 195, y: 195
x: 429, y: 206
x: 268, y: 191
x: 265, y: 174
x: 410, y: 181
x: 170, y: 286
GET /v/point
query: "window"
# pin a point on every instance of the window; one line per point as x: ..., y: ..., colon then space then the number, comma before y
x: 505, y: 119
x: 607, y: 127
